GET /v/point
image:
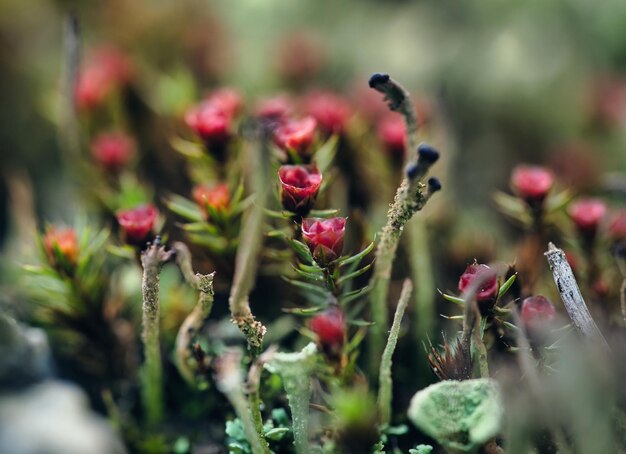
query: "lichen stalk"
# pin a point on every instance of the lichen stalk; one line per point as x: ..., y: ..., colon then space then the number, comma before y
x: 203, y: 283
x: 385, y: 387
x: 251, y: 241
x: 152, y: 260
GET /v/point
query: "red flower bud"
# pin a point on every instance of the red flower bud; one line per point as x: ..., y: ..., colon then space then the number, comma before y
x: 300, y: 185
x: 113, y: 150
x: 217, y: 197
x: 617, y: 226
x: 138, y: 223
x: 331, y: 112
x: 105, y: 70
x: 296, y: 135
x: 587, y: 214
x: 324, y: 237
x: 61, y: 247
x: 537, y: 313
x: 532, y: 183
x: 488, y: 290
x: 330, y: 328
x: 226, y: 100
x: 392, y: 133
x: 210, y: 123
x: 277, y: 108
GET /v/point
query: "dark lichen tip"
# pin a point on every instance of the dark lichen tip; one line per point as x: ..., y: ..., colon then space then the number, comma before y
x: 434, y: 184
x: 427, y: 153
x: 412, y: 171
x: 377, y: 79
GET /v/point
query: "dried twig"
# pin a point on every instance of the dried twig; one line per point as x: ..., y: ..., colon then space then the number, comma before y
x: 571, y: 296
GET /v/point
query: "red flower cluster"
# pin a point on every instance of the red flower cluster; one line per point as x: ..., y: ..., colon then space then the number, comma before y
x: 296, y: 135
x: 113, y: 150
x: 330, y: 327
x: 216, y: 197
x: 587, y: 214
x: 138, y: 223
x: 300, y: 185
x: 532, y: 183
x: 324, y: 237
x: 105, y: 70
x: 331, y: 112
x: 537, y: 313
x: 392, y: 133
x: 489, y: 288
x: 213, y: 119
x: 61, y: 246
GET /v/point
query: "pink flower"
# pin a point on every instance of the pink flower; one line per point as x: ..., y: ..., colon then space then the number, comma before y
x: 392, y: 133
x: 213, y: 118
x: 587, y: 214
x: 296, y: 135
x: 331, y: 112
x: 537, y: 312
x: 277, y: 108
x: 300, y: 185
x: 330, y: 328
x: 324, y: 237
x: 61, y: 246
x: 105, y: 70
x: 210, y: 123
x: 532, y: 183
x: 138, y: 223
x: 488, y: 290
x: 113, y: 150
x: 216, y: 197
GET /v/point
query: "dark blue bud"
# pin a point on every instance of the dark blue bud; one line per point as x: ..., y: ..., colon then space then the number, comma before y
x: 434, y: 184
x: 427, y: 153
x: 412, y: 171
x: 377, y: 79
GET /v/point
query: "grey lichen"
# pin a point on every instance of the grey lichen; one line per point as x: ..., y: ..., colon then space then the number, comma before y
x: 295, y: 371
x: 461, y: 415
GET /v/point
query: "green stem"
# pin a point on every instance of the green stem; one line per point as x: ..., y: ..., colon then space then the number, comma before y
x: 421, y: 270
x: 386, y: 385
x: 152, y: 260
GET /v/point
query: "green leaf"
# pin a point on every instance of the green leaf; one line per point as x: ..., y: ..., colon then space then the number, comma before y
x: 302, y: 250
x: 358, y: 256
x: 360, y: 323
x: 187, y: 147
x: 308, y: 287
x: 303, y: 310
x: 512, y: 207
x: 506, y: 286
x: 125, y: 252
x: 326, y: 153
x: 323, y: 213
x: 278, y: 214
x: 453, y: 299
x: 354, y: 274
x: 184, y: 208
x: 311, y: 276
x: 356, y: 294
x: 277, y: 433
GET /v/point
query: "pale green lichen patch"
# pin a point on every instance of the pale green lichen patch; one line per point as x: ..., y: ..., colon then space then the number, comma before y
x: 460, y: 415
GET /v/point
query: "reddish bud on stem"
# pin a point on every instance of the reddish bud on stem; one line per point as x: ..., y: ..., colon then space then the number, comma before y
x: 324, y: 237
x: 113, y: 151
x: 299, y: 187
x: 138, y: 223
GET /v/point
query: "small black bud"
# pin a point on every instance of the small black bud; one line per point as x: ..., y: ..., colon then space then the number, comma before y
x: 412, y: 170
x: 427, y: 153
x: 378, y: 78
x: 434, y: 184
